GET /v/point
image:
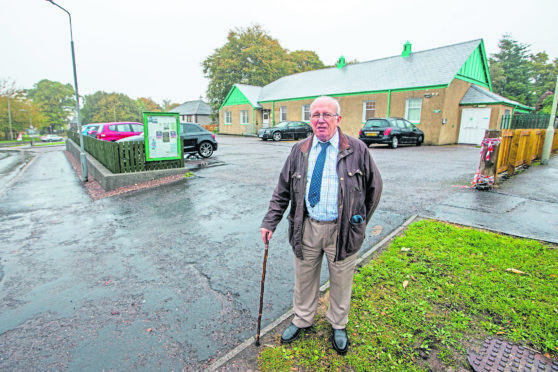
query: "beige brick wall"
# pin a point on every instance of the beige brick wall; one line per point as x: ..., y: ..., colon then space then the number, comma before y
x: 235, y: 127
x: 449, y: 132
x: 351, y: 110
x: 441, y: 103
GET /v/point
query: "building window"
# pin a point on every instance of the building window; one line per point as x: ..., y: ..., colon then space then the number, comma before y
x: 189, y: 118
x: 244, y: 117
x: 283, y: 113
x: 368, y: 110
x: 305, y: 112
x: 228, y: 117
x: 412, y: 110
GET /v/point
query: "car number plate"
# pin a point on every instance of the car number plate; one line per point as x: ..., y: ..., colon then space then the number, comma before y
x: 372, y: 134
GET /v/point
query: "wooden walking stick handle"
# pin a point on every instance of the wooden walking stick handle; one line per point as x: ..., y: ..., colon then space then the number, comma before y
x: 262, y: 292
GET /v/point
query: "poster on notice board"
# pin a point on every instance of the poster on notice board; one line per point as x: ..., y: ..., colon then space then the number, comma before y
x: 162, y: 136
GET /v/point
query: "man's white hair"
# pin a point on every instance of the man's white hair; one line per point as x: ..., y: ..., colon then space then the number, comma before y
x: 332, y: 100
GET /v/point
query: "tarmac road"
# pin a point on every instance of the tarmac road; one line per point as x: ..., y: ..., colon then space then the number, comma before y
x: 168, y: 278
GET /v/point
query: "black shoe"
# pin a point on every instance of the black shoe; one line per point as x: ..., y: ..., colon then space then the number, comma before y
x: 340, y: 341
x: 291, y: 333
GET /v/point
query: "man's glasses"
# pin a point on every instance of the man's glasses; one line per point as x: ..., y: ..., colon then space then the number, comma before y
x: 325, y: 115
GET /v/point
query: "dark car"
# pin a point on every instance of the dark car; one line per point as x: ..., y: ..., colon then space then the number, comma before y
x: 286, y: 130
x: 197, y: 139
x: 390, y: 131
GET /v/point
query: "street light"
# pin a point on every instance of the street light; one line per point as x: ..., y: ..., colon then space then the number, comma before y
x: 30, y: 123
x: 83, y: 159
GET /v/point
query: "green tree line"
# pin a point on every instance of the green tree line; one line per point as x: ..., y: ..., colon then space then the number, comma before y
x: 50, y: 106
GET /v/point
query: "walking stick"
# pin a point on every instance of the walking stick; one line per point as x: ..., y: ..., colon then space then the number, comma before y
x: 262, y: 292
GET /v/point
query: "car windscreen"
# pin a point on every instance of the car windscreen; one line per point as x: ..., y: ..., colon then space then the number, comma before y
x: 282, y: 124
x: 376, y: 124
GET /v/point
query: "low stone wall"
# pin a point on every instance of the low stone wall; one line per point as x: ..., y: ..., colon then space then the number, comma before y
x: 111, y: 181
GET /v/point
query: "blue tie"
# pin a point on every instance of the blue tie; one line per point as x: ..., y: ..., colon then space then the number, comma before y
x: 316, y: 183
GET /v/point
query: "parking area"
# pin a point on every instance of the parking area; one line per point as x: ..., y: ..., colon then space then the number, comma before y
x: 168, y: 278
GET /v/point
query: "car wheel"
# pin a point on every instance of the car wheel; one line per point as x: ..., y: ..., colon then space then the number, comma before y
x: 277, y: 136
x: 309, y: 134
x: 205, y: 150
x: 394, y: 142
x: 419, y: 141
x: 264, y: 139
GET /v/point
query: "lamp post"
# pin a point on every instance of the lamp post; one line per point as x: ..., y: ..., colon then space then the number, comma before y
x: 30, y: 123
x: 83, y: 159
x: 10, y: 119
x: 549, y: 135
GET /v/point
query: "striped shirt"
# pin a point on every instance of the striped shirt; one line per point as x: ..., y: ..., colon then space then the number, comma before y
x: 326, y: 208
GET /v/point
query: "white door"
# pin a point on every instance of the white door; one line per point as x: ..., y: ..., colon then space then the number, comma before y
x: 265, y: 119
x: 474, y: 122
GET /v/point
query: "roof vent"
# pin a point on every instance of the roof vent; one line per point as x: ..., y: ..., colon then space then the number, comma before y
x: 341, y: 62
x: 406, y: 49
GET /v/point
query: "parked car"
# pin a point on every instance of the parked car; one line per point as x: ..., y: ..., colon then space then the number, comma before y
x: 390, y: 131
x: 286, y: 130
x: 197, y: 139
x: 90, y: 129
x: 52, y: 138
x: 116, y: 131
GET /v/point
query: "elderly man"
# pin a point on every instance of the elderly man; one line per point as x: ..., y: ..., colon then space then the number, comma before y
x: 333, y: 187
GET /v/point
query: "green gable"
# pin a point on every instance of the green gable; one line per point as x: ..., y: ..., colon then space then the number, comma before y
x: 475, y: 69
x: 235, y: 97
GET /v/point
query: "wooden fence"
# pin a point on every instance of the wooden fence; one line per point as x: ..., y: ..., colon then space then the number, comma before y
x: 521, y: 147
x: 123, y: 157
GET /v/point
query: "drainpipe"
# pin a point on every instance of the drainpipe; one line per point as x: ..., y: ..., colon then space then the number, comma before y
x: 389, y: 102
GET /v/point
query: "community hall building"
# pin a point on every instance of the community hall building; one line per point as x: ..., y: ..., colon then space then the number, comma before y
x: 445, y: 91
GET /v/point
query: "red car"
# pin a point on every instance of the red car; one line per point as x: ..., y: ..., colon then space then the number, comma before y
x: 116, y: 131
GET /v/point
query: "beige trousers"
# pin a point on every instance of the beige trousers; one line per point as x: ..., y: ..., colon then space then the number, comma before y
x: 319, y: 238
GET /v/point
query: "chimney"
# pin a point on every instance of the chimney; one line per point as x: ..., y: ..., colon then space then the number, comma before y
x: 406, y: 50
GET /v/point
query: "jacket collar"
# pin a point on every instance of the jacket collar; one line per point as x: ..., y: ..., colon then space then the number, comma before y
x: 343, y: 142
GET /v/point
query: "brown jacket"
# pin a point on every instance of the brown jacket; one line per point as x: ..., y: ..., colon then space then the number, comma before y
x: 360, y: 187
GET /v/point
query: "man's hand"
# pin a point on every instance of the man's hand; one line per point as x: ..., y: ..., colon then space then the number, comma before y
x: 266, y: 235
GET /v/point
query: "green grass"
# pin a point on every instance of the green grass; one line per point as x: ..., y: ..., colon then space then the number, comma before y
x: 458, y: 292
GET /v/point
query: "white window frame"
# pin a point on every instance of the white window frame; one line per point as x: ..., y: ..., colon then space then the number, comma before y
x: 306, y: 112
x: 282, y: 113
x: 412, y: 106
x: 244, y: 117
x: 228, y: 116
x: 364, y: 110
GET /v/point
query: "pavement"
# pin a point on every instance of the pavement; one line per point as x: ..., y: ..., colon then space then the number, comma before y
x: 68, y: 295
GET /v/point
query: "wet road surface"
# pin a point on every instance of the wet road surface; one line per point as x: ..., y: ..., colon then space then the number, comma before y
x: 168, y: 278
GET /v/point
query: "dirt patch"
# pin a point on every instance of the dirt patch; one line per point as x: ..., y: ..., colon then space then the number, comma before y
x: 96, y: 191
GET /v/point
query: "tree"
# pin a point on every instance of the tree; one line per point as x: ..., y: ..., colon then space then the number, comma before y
x: 147, y: 104
x: 21, y: 114
x: 102, y: 107
x: 512, y: 70
x: 56, y: 101
x: 168, y: 105
x: 543, y: 77
x: 252, y: 57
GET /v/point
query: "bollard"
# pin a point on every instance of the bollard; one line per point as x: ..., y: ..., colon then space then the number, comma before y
x: 487, y: 173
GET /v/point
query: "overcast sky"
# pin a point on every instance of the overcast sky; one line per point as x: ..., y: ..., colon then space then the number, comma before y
x: 155, y: 48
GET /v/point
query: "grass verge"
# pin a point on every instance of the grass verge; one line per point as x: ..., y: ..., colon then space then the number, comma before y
x: 435, y: 292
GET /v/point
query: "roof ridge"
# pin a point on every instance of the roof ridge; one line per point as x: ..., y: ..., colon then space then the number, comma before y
x: 422, y: 51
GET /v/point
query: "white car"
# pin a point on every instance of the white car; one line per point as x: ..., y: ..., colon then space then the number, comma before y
x: 51, y: 138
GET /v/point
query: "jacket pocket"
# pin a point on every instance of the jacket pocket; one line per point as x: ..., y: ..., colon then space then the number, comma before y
x: 357, y: 233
